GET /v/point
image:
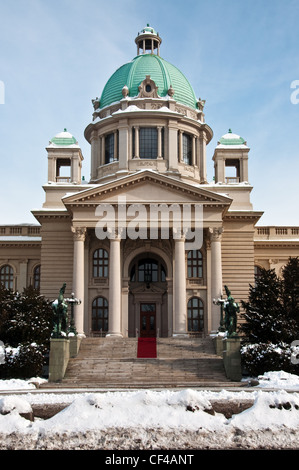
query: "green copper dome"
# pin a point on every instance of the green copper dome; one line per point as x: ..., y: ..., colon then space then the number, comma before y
x: 231, y: 139
x: 64, y: 139
x: 161, y: 72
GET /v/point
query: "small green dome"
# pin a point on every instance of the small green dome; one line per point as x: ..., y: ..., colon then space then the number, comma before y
x: 148, y: 29
x: 64, y: 139
x: 161, y: 72
x: 231, y: 139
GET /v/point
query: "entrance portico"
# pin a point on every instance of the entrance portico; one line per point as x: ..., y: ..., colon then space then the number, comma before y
x: 124, y: 273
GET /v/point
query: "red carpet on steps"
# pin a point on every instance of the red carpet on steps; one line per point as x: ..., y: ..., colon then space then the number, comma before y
x: 147, y: 347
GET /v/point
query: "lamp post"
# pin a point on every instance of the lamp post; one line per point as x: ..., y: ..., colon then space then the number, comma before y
x: 72, y: 301
x: 221, y: 303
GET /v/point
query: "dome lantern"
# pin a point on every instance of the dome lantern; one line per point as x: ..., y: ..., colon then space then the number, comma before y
x: 148, y: 40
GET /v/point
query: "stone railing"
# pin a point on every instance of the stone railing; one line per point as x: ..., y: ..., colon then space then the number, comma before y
x: 20, y: 230
x: 276, y: 232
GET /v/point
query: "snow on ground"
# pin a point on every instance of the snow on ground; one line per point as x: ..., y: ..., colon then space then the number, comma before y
x: 149, y: 419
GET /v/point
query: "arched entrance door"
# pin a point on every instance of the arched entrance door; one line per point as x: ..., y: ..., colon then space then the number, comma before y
x: 148, y: 313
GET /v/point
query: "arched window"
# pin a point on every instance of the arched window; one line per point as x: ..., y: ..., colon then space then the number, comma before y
x: 100, y: 314
x: 6, y: 276
x: 148, y: 270
x: 36, y: 277
x: 195, y: 315
x: 194, y: 258
x: 100, y: 263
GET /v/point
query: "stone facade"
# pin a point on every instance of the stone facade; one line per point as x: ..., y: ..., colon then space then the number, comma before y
x: 148, y: 152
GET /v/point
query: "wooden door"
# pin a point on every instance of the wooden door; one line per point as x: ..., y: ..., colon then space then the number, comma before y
x: 148, y: 320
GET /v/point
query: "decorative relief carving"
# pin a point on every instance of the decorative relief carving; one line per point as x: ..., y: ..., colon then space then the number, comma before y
x: 215, y: 234
x: 156, y: 105
x: 112, y: 167
x: 181, y: 110
x: 79, y: 233
x: 148, y: 88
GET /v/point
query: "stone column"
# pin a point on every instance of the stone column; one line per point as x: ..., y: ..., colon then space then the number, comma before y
x: 123, y: 135
x: 115, y: 156
x: 160, y: 142
x: 180, y: 146
x: 114, y: 287
x: 173, y: 145
x: 202, y: 157
x: 136, y: 142
x: 193, y: 150
x: 103, y: 150
x: 180, y: 308
x: 216, y: 274
x: 78, y: 277
x: 94, y: 155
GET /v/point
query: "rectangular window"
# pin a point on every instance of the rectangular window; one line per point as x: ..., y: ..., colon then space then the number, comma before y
x: 148, y: 142
x: 194, y: 264
x: 187, y: 149
x: 109, y: 148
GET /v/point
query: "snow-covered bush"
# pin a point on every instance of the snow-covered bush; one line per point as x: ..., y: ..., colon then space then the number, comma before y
x: 264, y: 357
x: 271, y: 323
x: 25, y: 328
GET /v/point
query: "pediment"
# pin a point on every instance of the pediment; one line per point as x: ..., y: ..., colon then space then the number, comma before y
x: 144, y: 289
x: 145, y: 188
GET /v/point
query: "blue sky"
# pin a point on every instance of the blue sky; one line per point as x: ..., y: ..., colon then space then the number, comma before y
x: 240, y: 56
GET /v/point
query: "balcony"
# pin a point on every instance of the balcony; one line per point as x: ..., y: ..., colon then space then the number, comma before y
x: 232, y: 179
x: 63, y: 179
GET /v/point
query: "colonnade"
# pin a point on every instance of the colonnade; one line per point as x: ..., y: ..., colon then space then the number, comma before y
x: 115, y: 285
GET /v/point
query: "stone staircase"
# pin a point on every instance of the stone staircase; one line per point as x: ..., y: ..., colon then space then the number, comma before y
x: 113, y: 363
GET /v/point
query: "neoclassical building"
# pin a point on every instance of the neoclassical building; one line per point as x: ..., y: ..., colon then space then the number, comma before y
x: 148, y: 242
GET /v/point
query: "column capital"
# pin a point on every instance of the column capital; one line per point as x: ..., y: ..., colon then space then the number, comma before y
x: 94, y: 135
x: 215, y: 234
x: 79, y: 233
x: 115, y: 234
x: 179, y: 235
x: 203, y: 135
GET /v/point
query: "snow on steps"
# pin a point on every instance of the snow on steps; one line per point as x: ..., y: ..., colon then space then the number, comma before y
x: 113, y: 363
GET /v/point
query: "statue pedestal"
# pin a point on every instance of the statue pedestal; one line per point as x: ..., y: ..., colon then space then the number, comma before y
x: 218, y: 343
x: 75, y: 342
x: 59, y: 357
x: 232, y: 358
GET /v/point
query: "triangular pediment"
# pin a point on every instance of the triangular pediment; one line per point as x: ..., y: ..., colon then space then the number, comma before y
x: 146, y: 187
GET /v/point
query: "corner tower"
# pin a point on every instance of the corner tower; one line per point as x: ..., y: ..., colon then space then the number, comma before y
x: 148, y: 117
x: 231, y: 159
